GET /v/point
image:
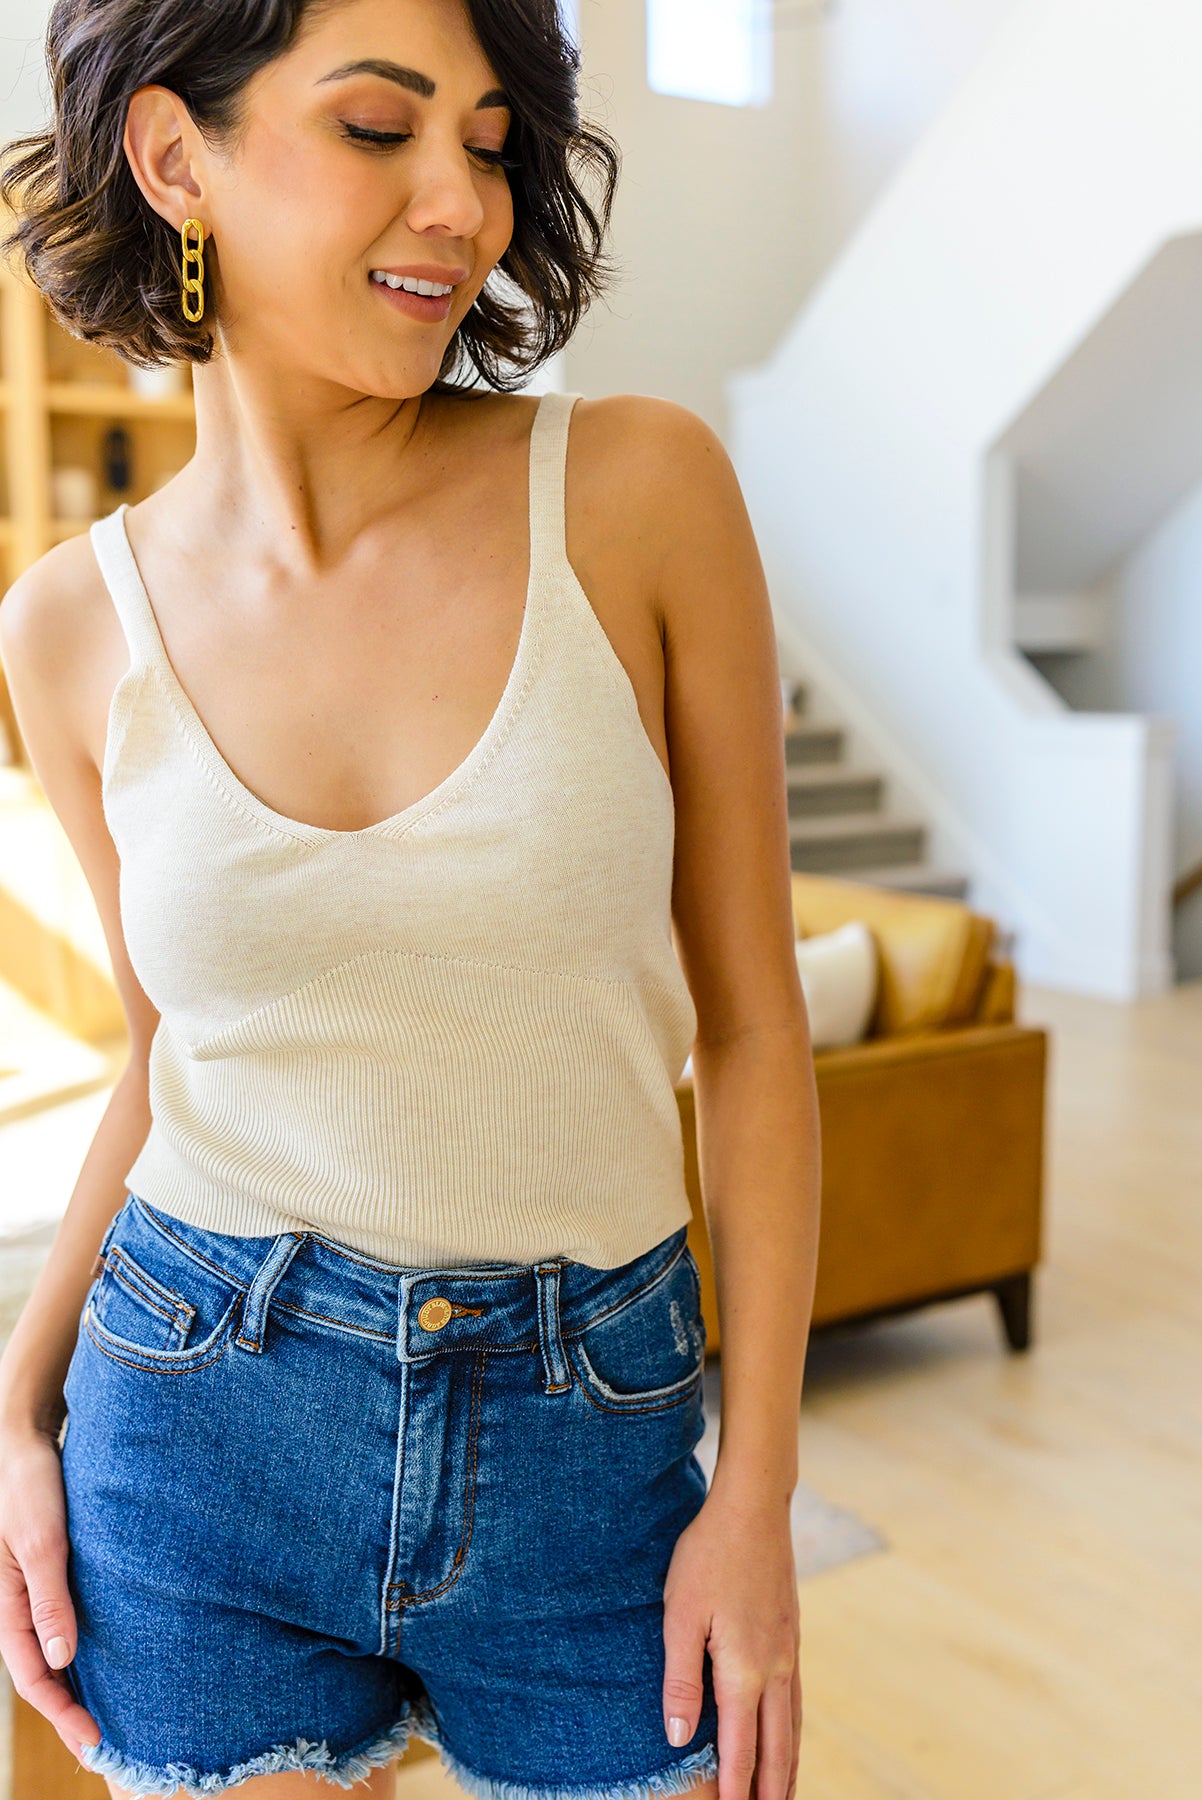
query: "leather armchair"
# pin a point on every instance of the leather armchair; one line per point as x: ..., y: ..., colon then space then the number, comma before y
x: 932, y: 1126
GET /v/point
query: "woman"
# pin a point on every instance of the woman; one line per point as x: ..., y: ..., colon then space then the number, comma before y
x: 372, y: 1319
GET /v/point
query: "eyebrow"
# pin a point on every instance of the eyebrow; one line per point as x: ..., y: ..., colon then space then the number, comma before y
x: 413, y: 79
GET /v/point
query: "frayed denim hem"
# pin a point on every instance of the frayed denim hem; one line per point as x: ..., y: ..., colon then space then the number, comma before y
x: 344, y: 1770
x: 676, y: 1778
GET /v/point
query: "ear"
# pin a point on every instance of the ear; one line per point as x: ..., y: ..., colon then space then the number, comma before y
x: 166, y: 154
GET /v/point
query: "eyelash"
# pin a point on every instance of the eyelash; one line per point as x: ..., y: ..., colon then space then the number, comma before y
x: 386, y: 140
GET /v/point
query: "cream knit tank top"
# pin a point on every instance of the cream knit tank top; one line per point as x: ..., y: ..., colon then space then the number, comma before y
x: 452, y: 1036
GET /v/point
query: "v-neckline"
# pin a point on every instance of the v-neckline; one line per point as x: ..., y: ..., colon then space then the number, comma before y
x: 198, y: 732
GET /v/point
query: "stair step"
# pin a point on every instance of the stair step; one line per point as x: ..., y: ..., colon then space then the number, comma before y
x: 846, y: 842
x: 837, y: 822
x: 813, y: 741
x: 825, y: 788
x: 918, y: 878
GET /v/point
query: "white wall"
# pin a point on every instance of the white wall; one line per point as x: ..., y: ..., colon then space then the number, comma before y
x: 24, y: 86
x: 1071, y: 153
x: 1158, y: 622
x: 1152, y: 662
x: 727, y: 217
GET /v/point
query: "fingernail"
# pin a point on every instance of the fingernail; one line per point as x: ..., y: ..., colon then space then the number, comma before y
x: 678, y: 1731
x: 58, y: 1652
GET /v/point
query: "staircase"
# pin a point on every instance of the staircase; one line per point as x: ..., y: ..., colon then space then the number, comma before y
x: 839, y: 822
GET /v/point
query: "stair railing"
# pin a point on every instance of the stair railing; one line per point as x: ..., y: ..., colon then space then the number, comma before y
x: 1187, y: 884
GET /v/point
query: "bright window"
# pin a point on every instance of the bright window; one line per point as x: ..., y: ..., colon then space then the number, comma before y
x: 718, y: 50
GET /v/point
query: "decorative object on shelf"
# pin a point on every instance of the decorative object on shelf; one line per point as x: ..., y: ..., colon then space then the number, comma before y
x: 117, y: 451
x: 192, y: 294
x: 155, y: 384
x: 74, y: 492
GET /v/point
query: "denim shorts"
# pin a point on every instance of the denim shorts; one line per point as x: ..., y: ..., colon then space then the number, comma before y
x: 317, y: 1502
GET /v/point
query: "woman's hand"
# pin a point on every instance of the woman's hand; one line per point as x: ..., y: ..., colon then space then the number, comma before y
x: 732, y: 1586
x: 35, y: 1602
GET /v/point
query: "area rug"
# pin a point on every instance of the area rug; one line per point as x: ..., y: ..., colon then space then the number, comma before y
x: 824, y: 1535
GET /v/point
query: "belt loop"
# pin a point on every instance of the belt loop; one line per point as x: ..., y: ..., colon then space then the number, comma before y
x: 254, y: 1316
x: 555, y: 1361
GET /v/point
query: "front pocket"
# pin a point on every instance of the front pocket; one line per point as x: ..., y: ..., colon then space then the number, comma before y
x: 647, y: 1351
x: 131, y: 1304
x: 154, y: 1304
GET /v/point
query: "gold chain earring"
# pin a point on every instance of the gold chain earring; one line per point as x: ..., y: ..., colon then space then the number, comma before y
x: 193, y: 285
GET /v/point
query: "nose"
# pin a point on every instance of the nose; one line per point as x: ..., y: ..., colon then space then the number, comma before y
x: 445, y: 189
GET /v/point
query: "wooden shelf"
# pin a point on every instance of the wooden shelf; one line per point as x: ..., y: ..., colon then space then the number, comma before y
x: 106, y: 398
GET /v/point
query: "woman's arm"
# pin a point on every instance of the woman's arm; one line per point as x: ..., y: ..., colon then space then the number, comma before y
x: 50, y: 664
x: 733, y: 1581
x: 758, y: 1135
x: 51, y: 667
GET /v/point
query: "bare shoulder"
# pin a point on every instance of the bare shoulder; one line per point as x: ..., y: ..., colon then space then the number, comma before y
x: 645, y: 442
x: 637, y: 440
x: 50, y: 615
x: 665, y: 472
x: 62, y: 648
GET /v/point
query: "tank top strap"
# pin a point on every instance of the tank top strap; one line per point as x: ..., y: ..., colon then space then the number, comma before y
x: 548, y: 470
x: 111, y: 546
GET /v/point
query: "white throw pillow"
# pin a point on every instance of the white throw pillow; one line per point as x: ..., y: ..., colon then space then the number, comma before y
x: 839, y: 974
x: 839, y: 979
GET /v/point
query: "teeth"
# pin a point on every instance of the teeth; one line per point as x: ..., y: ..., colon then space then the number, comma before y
x: 410, y: 284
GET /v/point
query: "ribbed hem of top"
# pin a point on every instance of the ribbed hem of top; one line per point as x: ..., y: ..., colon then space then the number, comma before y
x: 605, y: 1236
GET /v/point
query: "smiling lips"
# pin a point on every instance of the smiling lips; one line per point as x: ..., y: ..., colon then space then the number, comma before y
x: 415, y: 281
x: 430, y: 303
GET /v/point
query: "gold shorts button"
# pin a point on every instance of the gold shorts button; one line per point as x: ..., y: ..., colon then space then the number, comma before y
x: 435, y: 1313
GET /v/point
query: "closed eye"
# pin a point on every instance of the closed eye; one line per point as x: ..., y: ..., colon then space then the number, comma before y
x: 387, y: 140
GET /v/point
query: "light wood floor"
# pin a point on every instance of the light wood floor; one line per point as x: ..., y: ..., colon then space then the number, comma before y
x: 1033, y: 1630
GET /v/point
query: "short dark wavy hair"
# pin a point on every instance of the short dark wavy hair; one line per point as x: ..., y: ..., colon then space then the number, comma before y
x: 109, y: 266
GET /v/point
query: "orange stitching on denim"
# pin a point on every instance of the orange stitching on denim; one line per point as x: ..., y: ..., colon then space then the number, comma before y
x: 155, y: 1219
x: 664, y: 1405
x: 346, y: 1252
x: 381, y: 1337
x: 152, y: 1366
x: 350, y: 1254
x: 689, y: 1385
x: 469, y: 1496
x: 626, y: 1299
x: 132, y: 1273
x: 444, y: 1276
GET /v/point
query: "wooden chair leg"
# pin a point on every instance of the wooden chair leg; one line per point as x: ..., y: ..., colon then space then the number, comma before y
x: 1013, y: 1297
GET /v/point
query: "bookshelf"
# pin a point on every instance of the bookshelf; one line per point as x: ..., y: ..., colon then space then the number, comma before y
x: 59, y: 398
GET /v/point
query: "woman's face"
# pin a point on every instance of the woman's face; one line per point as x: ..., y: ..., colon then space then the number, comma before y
x: 369, y: 146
